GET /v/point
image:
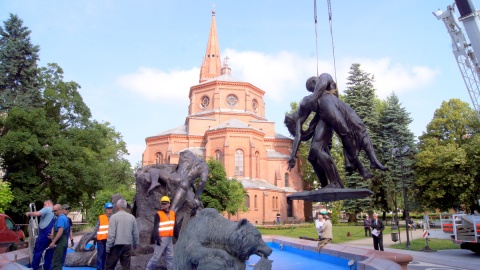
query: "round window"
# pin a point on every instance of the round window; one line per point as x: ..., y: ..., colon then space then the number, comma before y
x: 204, y: 102
x: 232, y: 100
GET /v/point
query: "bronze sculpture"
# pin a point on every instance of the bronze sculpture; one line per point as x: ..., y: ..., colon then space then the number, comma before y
x: 332, y: 114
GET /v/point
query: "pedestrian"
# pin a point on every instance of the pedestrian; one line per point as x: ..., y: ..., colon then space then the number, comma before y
x: 278, y: 218
x: 66, y: 211
x: 59, y: 235
x: 318, y: 225
x: 426, y: 221
x: 101, y: 232
x: 367, y: 222
x: 377, y: 229
x: 122, y: 237
x: 47, y: 220
x: 164, y: 229
x: 326, y: 232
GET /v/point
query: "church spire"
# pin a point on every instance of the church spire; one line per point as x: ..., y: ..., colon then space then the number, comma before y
x: 211, y: 66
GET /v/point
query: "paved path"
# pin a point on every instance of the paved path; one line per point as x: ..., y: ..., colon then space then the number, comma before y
x: 456, y: 259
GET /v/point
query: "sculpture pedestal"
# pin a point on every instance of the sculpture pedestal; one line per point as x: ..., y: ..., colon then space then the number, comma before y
x: 330, y: 194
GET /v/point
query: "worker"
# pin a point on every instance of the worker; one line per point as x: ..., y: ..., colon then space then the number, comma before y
x: 66, y: 211
x: 47, y: 221
x: 101, y: 232
x: 164, y: 229
x: 59, y: 235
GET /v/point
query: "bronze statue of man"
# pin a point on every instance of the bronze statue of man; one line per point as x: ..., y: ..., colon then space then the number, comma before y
x: 332, y: 114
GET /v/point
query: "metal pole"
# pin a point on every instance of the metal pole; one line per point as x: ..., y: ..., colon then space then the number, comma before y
x: 407, y: 217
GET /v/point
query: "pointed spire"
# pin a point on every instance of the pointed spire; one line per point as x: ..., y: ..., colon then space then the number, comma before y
x: 211, y: 66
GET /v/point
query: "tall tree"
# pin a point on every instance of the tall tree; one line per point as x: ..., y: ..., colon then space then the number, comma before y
x: 398, y: 149
x: 360, y: 95
x: 18, y: 66
x: 446, y: 165
x: 223, y: 194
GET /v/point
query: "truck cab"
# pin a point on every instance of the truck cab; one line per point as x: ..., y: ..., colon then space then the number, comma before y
x: 11, y: 236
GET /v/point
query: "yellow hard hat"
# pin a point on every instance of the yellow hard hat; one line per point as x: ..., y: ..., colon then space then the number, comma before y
x: 165, y: 199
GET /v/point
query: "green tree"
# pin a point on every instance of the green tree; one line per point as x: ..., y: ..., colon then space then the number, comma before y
x: 221, y: 193
x: 396, y: 139
x: 6, y: 196
x: 18, y: 66
x: 446, y: 165
x: 360, y: 95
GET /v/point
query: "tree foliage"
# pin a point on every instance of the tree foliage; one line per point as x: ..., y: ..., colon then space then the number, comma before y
x: 360, y: 95
x: 447, y: 163
x: 50, y: 146
x: 18, y: 66
x: 6, y: 196
x: 221, y: 193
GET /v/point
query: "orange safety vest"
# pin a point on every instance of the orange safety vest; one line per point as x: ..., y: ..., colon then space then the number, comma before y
x: 102, y: 233
x: 165, y: 226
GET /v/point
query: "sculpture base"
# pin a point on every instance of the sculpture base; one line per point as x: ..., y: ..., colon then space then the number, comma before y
x: 330, y: 194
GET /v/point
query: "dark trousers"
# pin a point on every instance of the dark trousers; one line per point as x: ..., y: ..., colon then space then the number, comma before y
x: 122, y: 252
x: 378, y: 242
x: 41, y: 244
x: 101, y: 254
x: 368, y: 231
x: 60, y: 252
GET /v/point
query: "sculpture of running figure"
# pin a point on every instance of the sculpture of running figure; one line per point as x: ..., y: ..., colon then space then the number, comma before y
x: 332, y: 114
x: 190, y: 167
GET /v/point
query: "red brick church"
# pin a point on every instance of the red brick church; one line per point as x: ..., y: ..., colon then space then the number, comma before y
x: 226, y: 121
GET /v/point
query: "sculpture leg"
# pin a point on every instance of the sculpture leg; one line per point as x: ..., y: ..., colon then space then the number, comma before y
x: 368, y: 148
x: 351, y: 153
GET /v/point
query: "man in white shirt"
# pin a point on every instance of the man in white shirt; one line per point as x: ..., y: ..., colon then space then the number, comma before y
x: 318, y: 224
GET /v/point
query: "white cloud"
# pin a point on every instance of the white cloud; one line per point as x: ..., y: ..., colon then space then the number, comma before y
x: 390, y: 77
x: 157, y: 84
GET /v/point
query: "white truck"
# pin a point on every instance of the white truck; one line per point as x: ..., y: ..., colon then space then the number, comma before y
x: 463, y: 229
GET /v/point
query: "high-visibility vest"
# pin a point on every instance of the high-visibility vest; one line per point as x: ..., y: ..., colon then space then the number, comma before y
x: 102, y: 232
x: 165, y: 226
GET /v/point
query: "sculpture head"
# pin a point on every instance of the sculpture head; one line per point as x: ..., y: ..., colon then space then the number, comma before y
x: 311, y: 82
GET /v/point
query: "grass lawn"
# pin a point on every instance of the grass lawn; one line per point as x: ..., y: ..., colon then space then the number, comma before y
x: 435, y: 244
x: 308, y: 230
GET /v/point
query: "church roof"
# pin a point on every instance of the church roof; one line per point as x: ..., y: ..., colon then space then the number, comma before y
x: 232, y: 123
x: 275, y: 154
x: 283, y: 137
x: 223, y: 78
x: 263, y: 184
x: 181, y: 130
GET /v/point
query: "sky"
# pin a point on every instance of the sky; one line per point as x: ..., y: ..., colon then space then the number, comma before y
x: 136, y: 60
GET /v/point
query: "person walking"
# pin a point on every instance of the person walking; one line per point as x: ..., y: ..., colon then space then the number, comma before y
x: 122, y: 237
x: 367, y: 223
x: 426, y: 221
x: 318, y: 225
x: 326, y: 232
x: 60, y: 233
x: 66, y: 211
x: 47, y: 220
x: 163, y: 230
x: 101, y: 232
x: 377, y: 229
x: 278, y: 218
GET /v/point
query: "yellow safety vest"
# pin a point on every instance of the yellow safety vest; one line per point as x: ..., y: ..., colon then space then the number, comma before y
x: 165, y: 226
x: 102, y: 233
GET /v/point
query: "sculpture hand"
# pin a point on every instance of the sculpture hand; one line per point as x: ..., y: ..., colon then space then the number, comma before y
x: 291, y: 163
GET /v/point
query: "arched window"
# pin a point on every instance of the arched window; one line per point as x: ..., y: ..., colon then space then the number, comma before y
x: 257, y: 165
x: 247, y: 201
x: 286, y: 180
x: 238, y: 162
x: 218, y: 156
x: 276, y: 202
x: 255, y: 206
x: 158, y: 158
x: 273, y: 203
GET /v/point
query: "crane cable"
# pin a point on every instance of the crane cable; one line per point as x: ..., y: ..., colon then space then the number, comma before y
x: 331, y: 35
x: 316, y: 35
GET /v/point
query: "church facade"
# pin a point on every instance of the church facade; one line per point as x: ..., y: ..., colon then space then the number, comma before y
x: 226, y: 121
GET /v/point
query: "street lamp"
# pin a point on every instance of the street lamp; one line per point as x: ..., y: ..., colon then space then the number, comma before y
x: 400, y: 154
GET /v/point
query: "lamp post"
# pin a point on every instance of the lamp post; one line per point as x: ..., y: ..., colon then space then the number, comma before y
x: 407, y: 216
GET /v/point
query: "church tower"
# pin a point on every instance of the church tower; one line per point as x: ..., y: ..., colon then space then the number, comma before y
x: 211, y: 65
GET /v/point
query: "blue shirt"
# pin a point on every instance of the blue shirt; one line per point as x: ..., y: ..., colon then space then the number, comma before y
x: 62, y: 221
x: 46, y: 216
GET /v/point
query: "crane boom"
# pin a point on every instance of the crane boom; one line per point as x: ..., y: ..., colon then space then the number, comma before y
x: 466, y: 51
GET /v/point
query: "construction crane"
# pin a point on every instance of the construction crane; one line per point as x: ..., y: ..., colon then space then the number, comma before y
x: 466, y: 49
